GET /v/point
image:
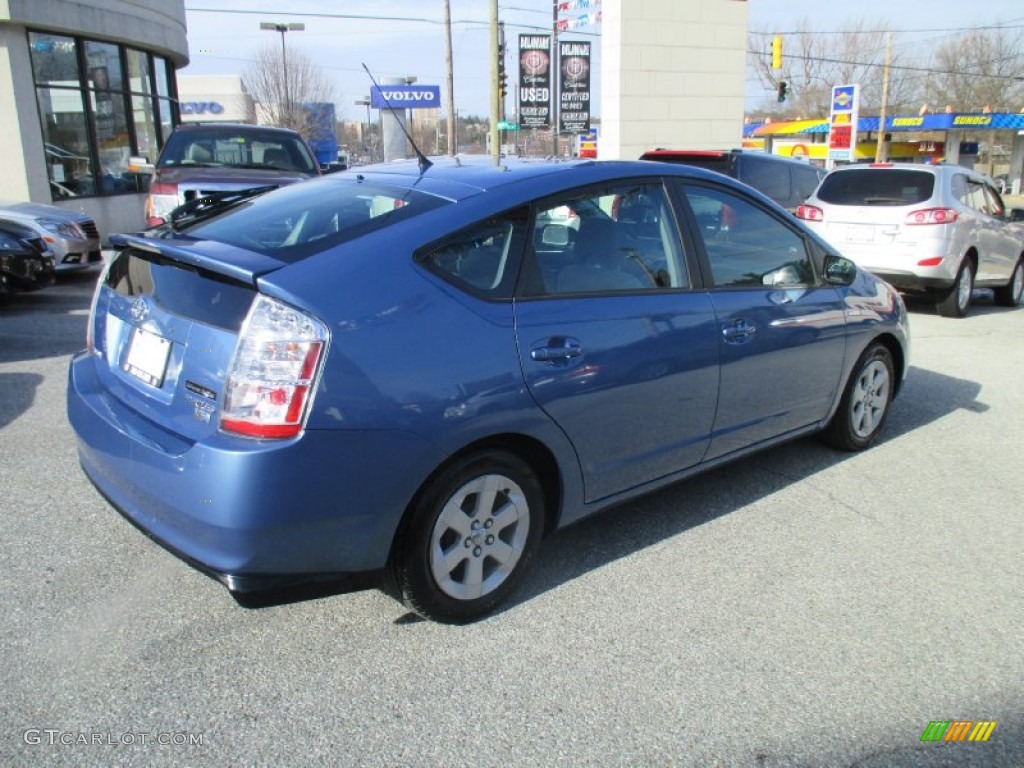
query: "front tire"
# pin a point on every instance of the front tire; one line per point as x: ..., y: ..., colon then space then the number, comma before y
x: 468, y: 537
x: 958, y: 300
x: 1009, y: 295
x: 865, y: 405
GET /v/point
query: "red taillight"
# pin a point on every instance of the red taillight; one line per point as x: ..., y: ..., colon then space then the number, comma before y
x: 810, y: 213
x: 931, y: 216
x: 163, y: 198
x: 163, y: 188
x: 934, y: 261
x: 273, y: 371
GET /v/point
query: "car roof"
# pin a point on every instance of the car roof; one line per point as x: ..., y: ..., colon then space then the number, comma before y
x: 668, y: 154
x: 460, y: 177
x: 232, y: 127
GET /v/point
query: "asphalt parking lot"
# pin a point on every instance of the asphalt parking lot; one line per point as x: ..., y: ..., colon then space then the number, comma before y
x: 802, y: 608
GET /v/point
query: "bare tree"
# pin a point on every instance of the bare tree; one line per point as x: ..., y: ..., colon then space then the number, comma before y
x: 281, y: 99
x: 814, y: 62
x: 978, y: 69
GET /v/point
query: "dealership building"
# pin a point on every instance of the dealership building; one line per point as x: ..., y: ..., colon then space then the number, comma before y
x: 85, y: 86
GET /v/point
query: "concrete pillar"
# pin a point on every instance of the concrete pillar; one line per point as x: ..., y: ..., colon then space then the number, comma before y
x: 672, y: 75
x: 1017, y: 163
x: 395, y: 145
x: 953, y: 139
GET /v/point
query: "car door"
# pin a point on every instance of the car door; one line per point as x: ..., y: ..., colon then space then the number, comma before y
x: 781, y: 333
x: 1002, y: 246
x: 615, y: 344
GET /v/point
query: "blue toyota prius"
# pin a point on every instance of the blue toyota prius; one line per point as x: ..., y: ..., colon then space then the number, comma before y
x: 418, y: 372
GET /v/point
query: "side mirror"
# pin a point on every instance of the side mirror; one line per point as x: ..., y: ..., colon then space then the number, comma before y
x: 1017, y: 214
x: 141, y: 166
x: 839, y: 271
x: 333, y: 167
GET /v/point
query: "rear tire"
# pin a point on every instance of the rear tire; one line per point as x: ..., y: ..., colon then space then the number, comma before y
x: 468, y: 538
x: 865, y: 405
x: 1009, y: 295
x: 958, y: 300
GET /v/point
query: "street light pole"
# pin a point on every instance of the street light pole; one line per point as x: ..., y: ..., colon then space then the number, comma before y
x: 366, y: 136
x: 282, y: 28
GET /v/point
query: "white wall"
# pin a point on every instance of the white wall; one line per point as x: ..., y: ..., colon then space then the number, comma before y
x: 226, y: 91
x: 672, y: 75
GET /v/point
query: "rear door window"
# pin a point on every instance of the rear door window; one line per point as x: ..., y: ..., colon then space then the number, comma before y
x: 767, y: 177
x: 874, y: 186
x: 805, y: 181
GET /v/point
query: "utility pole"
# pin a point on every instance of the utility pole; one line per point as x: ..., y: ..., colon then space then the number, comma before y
x: 495, y: 146
x: 555, y: 76
x: 880, y: 145
x: 450, y: 76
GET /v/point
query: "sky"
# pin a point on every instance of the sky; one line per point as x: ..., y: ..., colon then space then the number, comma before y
x: 410, y: 41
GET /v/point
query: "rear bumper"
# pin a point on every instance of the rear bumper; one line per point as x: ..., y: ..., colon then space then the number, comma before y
x: 255, y: 514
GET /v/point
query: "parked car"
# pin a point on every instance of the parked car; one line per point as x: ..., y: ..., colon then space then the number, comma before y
x: 420, y: 373
x: 787, y: 182
x: 203, y: 158
x: 936, y: 230
x: 71, y: 236
x: 26, y: 264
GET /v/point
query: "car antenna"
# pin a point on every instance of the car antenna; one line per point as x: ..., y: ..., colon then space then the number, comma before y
x: 422, y: 159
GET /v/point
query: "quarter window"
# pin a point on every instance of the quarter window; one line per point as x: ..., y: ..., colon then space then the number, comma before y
x: 746, y: 246
x: 484, y: 258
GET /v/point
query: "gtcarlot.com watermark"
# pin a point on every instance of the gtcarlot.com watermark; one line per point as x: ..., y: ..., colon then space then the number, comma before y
x: 56, y: 737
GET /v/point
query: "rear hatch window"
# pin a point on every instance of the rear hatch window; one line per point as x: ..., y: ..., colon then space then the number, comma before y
x: 876, y: 186
x: 301, y: 220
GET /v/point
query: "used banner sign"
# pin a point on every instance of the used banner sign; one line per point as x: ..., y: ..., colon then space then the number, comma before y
x: 574, y: 62
x: 535, y: 81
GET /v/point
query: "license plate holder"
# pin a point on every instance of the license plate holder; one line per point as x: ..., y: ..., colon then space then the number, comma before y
x: 147, y: 357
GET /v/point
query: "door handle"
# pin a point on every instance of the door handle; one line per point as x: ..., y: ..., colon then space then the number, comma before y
x: 739, y: 332
x: 557, y: 350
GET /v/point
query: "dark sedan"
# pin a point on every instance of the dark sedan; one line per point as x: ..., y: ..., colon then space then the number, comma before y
x: 26, y: 264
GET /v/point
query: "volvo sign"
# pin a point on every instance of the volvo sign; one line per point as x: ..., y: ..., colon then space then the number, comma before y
x: 405, y: 96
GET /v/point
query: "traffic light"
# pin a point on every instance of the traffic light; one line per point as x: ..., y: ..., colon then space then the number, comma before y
x: 777, y: 52
x: 502, y: 75
x: 782, y: 91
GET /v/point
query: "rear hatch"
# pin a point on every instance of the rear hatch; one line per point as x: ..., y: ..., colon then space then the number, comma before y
x: 166, y: 324
x: 873, y: 207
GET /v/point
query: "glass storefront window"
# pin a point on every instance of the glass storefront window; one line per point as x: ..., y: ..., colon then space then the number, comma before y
x: 66, y: 142
x: 145, y: 127
x: 54, y: 59
x: 163, y: 87
x: 140, y: 79
x: 113, y: 143
x: 99, y: 104
x: 103, y: 61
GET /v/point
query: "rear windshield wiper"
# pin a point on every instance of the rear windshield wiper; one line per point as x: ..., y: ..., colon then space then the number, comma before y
x: 212, y: 203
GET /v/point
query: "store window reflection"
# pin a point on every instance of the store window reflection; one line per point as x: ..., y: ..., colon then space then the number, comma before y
x: 99, y: 104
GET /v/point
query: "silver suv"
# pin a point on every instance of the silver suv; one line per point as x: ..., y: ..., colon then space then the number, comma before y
x: 938, y: 230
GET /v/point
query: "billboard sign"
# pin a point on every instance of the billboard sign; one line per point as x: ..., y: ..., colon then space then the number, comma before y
x: 405, y: 96
x: 842, y: 123
x: 535, y: 81
x: 574, y: 96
